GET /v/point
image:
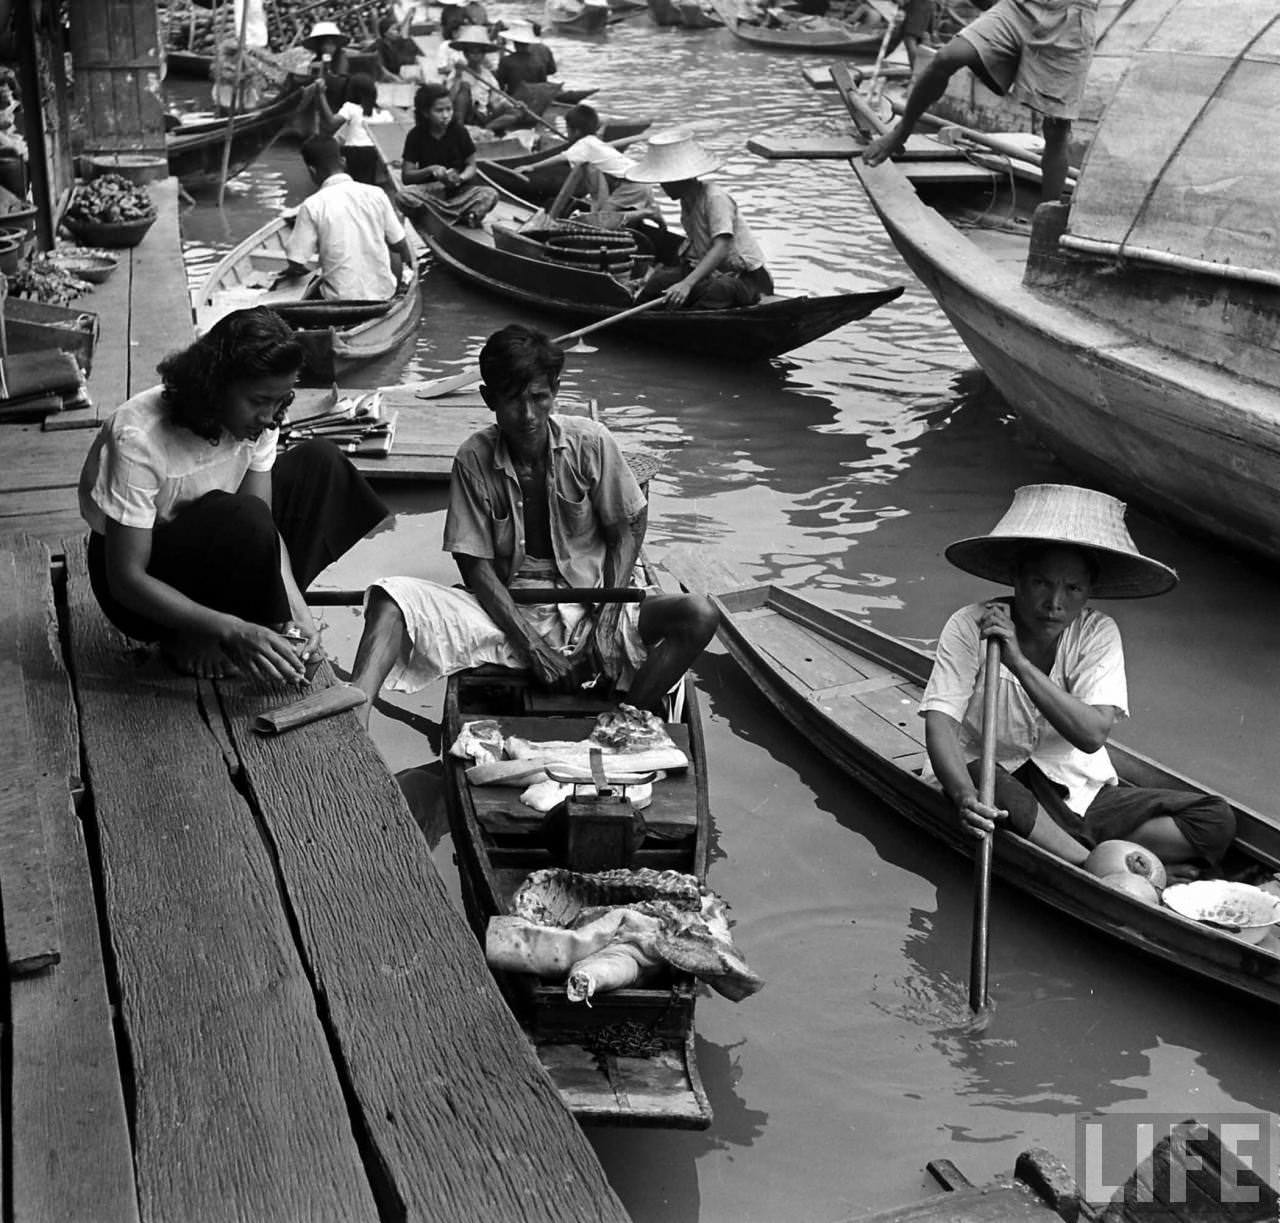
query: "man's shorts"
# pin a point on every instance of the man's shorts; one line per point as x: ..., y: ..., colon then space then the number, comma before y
x: 917, y: 18
x: 1038, y: 50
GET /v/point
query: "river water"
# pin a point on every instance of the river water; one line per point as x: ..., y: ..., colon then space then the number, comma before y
x: 847, y: 467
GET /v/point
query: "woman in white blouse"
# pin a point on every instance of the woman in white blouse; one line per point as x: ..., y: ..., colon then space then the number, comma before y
x: 201, y: 541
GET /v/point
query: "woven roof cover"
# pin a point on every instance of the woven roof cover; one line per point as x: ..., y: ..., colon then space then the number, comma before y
x: 1185, y: 158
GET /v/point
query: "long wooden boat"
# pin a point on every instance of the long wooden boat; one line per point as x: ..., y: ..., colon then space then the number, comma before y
x: 190, y: 65
x: 508, y: 263
x: 1141, y: 343
x: 591, y: 1053
x: 195, y: 150
x: 854, y: 693
x: 691, y: 14
x: 338, y: 335
x: 611, y: 131
x: 577, y: 16
x: 815, y: 35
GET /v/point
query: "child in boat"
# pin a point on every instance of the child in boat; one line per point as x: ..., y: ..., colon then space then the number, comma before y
x: 438, y: 167
x: 350, y: 126
x: 1062, y: 688
x: 597, y: 172
x: 535, y: 500
x: 721, y: 266
x: 202, y: 540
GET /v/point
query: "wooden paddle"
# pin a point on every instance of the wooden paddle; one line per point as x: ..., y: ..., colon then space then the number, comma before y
x: 520, y: 106
x: 436, y: 387
x: 521, y: 594
x: 877, y: 81
x: 982, y: 864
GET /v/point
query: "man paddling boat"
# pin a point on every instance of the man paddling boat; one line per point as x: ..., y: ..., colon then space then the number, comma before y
x: 544, y: 501
x: 1062, y: 687
x: 1038, y: 50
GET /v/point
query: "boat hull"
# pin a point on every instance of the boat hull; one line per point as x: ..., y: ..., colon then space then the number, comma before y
x: 195, y: 154
x: 1184, y: 438
x: 857, y: 706
x: 497, y: 843
x: 752, y: 333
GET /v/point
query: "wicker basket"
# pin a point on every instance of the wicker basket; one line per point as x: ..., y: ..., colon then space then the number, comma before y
x: 108, y: 233
x: 92, y: 268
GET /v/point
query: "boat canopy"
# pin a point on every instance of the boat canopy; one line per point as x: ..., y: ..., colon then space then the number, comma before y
x: 1181, y: 171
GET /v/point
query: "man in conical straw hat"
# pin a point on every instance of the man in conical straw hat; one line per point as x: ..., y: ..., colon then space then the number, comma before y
x: 721, y: 265
x: 1062, y: 687
x: 477, y: 96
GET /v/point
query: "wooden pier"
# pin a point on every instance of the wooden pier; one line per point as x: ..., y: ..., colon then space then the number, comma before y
x: 236, y: 985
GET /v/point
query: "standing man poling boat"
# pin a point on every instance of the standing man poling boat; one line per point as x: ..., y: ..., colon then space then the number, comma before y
x: 721, y: 265
x: 1039, y: 50
x: 1062, y: 687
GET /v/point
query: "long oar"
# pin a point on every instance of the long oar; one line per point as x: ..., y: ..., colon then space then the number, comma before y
x: 521, y: 594
x: 434, y: 388
x: 982, y: 864
x: 235, y: 104
x: 877, y: 82
x: 537, y: 118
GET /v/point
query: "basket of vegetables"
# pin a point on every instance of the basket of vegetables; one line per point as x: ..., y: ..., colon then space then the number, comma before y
x: 110, y: 211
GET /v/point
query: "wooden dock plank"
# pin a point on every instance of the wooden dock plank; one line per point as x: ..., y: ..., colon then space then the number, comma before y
x: 463, y: 1118
x: 159, y: 300
x: 35, y: 460
x: 71, y: 1157
x: 236, y: 1100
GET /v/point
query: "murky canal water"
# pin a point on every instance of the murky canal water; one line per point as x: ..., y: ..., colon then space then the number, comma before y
x: 848, y: 466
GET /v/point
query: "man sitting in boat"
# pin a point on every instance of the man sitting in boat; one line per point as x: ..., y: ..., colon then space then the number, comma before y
x: 535, y: 500
x: 721, y: 266
x: 526, y: 66
x: 350, y: 228
x: 1038, y: 49
x: 597, y: 172
x: 478, y: 100
x: 1062, y: 687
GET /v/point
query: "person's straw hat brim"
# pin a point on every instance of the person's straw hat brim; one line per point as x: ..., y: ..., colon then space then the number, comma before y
x: 475, y: 36
x: 323, y: 30
x: 672, y: 157
x: 521, y: 32
x: 1066, y: 515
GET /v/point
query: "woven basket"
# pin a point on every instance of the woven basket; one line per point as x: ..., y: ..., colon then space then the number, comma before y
x: 108, y: 233
x: 599, y: 250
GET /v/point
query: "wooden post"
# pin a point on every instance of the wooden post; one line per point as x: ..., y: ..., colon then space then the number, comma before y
x: 235, y: 102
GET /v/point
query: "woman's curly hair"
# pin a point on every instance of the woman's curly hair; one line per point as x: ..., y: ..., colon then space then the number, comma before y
x: 240, y: 346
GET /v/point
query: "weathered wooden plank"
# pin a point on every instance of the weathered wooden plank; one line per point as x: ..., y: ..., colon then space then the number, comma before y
x: 463, y: 1120
x: 880, y: 736
x: 804, y: 654
x: 71, y: 1157
x: 33, y: 502
x: 52, y: 527
x: 26, y: 895
x: 109, y: 377
x: 159, y: 300
x: 998, y: 1203
x: 700, y: 571
x: 235, y: 1095
x: 35, y: 460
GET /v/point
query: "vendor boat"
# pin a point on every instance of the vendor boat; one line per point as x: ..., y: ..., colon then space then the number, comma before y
x: 338, y: 335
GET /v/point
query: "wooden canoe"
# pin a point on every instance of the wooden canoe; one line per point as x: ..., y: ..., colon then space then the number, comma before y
x: 339, y: 335
x: 574, y: 17
x: 498, y: 842
x: 854, y: 694
x: 195, y: 149
x: 773, y: 326
x: 816, y: 35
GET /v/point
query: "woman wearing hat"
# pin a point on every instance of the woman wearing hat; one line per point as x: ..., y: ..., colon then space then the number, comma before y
x: 326, y: 42
x: 1062, y: 687
x: 477, y: 96
x: 721, y: 266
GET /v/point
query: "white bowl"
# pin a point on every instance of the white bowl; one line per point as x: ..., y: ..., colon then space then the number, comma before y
x: 1238, y: 908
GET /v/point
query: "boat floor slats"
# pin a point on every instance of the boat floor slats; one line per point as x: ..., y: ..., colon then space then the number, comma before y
x: 634, y: 1088
x: 673, y: 812
x: 998, y: 1203
x: 814, y: 662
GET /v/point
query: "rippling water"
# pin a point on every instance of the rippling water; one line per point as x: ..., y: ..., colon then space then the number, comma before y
x: 848, y: 466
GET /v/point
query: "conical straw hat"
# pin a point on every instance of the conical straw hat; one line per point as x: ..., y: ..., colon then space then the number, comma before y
x: 672, y: 157
x: 322, y: 30
x: 1064, y: 514
x: 474, y: 36
x: 521, y: 32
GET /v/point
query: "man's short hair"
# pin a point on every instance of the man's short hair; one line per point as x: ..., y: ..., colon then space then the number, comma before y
x: 518, y: 355
x: 582, y: 118
x: 322, y: 154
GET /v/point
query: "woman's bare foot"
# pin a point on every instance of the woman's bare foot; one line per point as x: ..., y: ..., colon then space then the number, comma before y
x: 201, y: 656
x: 883, y: 147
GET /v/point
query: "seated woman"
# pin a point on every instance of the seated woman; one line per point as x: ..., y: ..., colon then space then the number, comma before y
x: 1062, y: 687
x: 478, y: 99
x: 721, y: 265
x: 438, y: 167
x: 201, y: 540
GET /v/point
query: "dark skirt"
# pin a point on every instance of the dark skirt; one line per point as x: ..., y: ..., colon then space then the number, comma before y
x: 223, y: 551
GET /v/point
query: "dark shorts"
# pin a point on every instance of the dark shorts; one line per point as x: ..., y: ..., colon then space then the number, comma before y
x: 1207, y: 822
x: 917, y: 18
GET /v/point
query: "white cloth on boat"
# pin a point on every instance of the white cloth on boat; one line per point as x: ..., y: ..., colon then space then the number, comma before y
x: 142, y: 468
x: 592, y: 151
x: 1089, y: 664
x: 347, y: 228
x: 449, y: 631
x: 354, y: 132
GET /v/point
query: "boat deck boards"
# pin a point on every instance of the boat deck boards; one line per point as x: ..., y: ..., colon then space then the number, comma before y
x: 246, y: 940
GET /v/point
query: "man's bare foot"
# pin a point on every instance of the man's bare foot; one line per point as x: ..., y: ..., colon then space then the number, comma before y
x: 201, y: 656
x: 883, y: 147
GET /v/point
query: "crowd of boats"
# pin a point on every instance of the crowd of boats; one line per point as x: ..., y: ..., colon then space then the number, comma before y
x: 1133, y: 327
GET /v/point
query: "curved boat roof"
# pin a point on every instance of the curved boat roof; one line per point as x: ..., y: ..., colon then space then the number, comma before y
x: 1181, y: 170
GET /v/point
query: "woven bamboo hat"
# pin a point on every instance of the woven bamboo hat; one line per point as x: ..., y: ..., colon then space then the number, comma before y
x: 521, y: 32
x: 1075, y: 517
x: 321, y: 31
x: 672, y: 157
x: 473, y: 36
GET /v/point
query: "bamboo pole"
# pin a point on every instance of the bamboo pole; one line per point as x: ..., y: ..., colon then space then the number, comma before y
x: 235, y: 102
